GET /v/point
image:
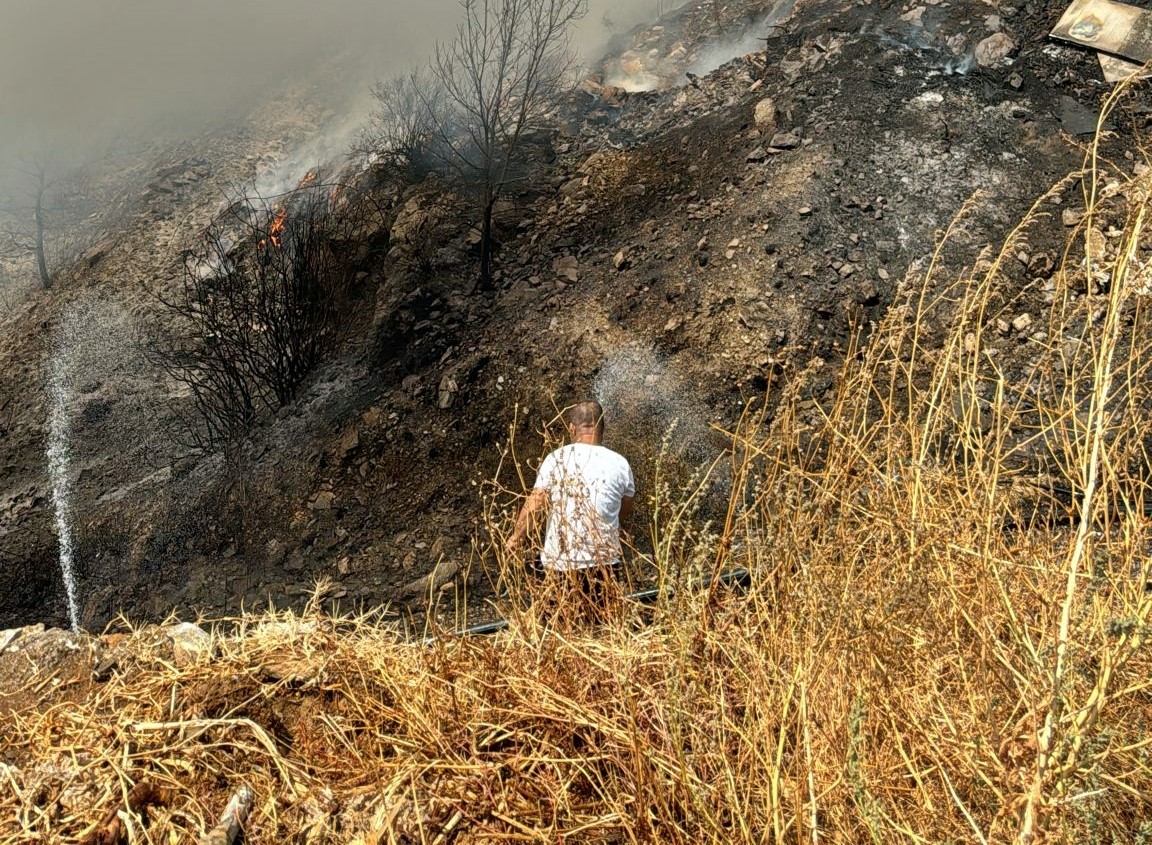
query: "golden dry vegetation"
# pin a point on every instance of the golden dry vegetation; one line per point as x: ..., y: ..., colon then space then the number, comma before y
x: 945, y: 639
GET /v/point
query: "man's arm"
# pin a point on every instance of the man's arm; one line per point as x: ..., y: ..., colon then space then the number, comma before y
x: 537, y: 500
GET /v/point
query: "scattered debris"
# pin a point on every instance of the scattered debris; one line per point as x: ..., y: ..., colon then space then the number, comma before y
x: 1122, y: 35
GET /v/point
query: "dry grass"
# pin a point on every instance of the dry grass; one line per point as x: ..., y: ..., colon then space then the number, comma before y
x: 936, y: 648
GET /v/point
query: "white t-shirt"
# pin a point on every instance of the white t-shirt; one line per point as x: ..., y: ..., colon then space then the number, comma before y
x: 585, y: 484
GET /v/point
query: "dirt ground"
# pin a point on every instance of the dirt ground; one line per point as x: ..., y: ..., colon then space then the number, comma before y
x: 684, y: 250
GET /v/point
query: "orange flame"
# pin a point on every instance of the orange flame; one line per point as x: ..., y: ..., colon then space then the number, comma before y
x: 281, y: 216
x: 275, y: 229
x: 277, y: 226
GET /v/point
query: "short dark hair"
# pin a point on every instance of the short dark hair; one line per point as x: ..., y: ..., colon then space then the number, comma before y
x: 586, y: 415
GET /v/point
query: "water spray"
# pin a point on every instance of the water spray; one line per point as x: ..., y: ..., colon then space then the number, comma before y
x: 59, y: 455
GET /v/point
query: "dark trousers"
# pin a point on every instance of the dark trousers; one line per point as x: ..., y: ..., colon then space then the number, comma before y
x: 594, y: 593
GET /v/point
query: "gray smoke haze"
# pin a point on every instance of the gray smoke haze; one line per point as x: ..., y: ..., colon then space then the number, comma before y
x: 74, y: 73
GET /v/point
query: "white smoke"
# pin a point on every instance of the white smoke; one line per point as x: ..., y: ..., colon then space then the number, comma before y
x: 750, y: 40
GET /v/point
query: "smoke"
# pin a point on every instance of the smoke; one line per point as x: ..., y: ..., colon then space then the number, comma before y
x: 73, y: 74
x: 749, y: 41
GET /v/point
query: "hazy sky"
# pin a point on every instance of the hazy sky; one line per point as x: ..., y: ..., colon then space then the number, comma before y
x: 72, y: 70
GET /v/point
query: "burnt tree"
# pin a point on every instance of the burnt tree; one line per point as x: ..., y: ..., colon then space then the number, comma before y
x: 487, y: 88
x: 42, y: 225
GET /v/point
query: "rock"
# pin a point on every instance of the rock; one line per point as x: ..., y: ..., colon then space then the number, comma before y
x: 1096, y: 245
x: 914, y: 16
x: 295, y: 561
x: 994, y: 49
x: 1016, y: 80
x: 1022, y: 322
x: 1078, y: 119
x: 1070, y: 216
x: 867, y: 294
x: 322, y: 501
x: 572, y: 186
x: 621, y: 261
x: 764, y: 115
x: 784, y: 141
x: 567, y: 267
x: 349, y: 441
x: 756, y: 156
x: 593, y: 163
x: 40, y: 667
x: 10, y: 636
x: 189, y: 642
x: 106, y: 667
x: 446, y: 394
x: 443, y: 572
x: 274, y: 553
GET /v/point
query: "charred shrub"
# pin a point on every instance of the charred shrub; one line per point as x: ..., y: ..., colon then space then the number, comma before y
x: 401, y: 135
x: 260, y: 306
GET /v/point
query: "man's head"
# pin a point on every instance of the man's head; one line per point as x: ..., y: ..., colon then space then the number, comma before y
x: 586, y: 422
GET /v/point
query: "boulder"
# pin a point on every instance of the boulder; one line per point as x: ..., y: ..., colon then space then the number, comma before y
x: 567, y: 267
x: 764, y: 116
x: 189, y: 642
x: 784, y: 141
x: 39, y: 668
x: 994, y: 49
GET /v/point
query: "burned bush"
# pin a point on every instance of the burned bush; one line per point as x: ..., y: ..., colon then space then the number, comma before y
x: 260, y: 306
x: 401, y: 135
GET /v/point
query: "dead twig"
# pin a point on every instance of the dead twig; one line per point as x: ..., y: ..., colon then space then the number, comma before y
x: 112, y: 830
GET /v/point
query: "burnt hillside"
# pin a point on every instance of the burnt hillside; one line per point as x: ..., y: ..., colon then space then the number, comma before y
x: 677, y: 252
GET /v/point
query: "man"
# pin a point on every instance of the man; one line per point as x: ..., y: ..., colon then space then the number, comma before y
x: 587, y: 490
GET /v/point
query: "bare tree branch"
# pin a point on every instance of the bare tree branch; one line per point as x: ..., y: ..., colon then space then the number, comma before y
x: 482, y: 93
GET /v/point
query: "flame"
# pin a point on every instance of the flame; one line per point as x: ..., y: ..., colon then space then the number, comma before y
x: 277, y: 226
x: 280, y: 216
